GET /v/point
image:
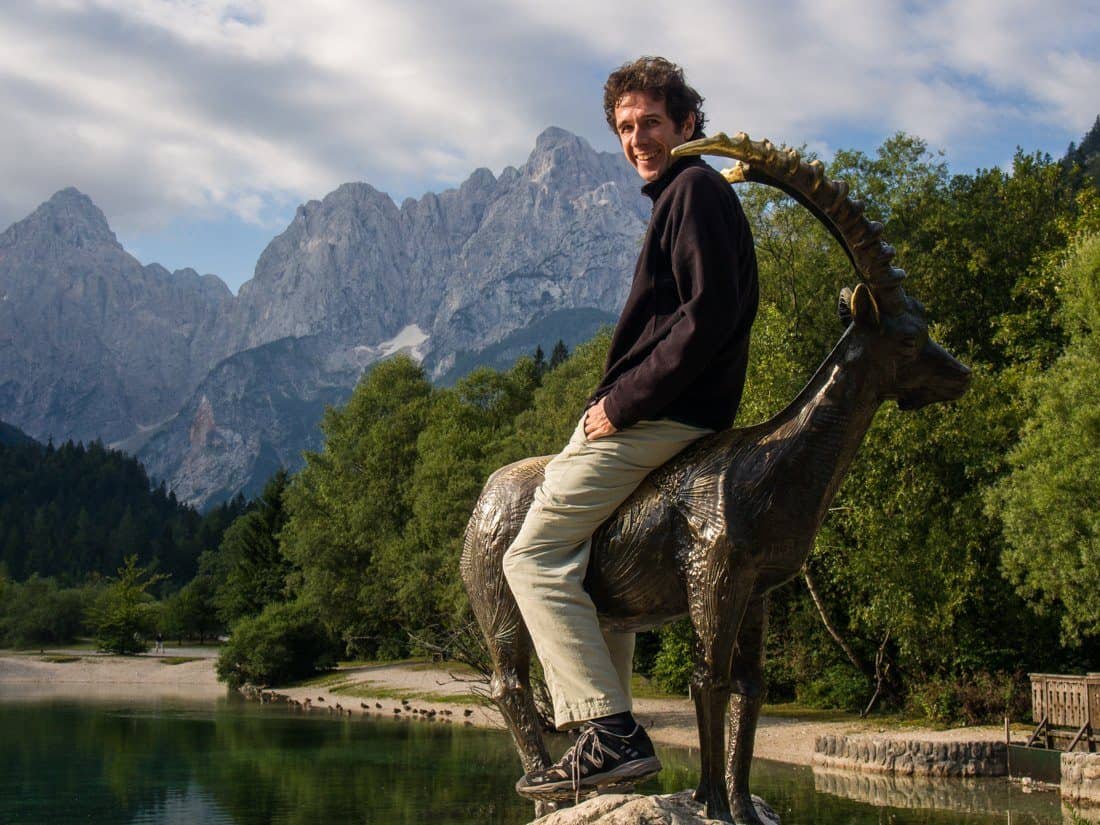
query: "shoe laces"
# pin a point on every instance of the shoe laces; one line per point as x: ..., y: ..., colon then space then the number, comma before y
x: 589, y: 738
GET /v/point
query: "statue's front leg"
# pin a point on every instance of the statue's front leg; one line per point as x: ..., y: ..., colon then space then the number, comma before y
x: 715, y: 617
x: 744, y: 710
x: 710, y: 695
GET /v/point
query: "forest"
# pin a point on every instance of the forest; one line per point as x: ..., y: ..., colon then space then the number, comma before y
x: 961, y: 553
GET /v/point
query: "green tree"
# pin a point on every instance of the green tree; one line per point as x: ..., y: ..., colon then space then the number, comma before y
x: 75, y: 510
x: 286, y: 641
x: 902, y: 171
x: 1048, y: 503
x: 351, y: 500
x: 125, y: 615
x: 559, y: 355
x: 38, y: 612
x: 973, y: 244
x: 249, y: 565
x: 907, y: 551
x: 1086, y: 156
x: 456, y: 452
x: 191, y: 612
x: 557, y: 404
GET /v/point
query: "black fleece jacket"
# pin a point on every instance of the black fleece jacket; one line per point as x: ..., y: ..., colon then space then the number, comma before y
x: 681, y: 346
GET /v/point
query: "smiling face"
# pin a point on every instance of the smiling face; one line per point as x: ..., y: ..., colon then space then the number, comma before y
x: 647, y: 133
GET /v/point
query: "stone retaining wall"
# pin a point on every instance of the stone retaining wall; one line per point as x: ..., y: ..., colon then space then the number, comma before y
x: 1081, y: 777
x: 911, y: 757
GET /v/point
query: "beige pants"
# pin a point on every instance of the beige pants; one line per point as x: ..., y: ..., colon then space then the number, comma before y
x: 587, y: 670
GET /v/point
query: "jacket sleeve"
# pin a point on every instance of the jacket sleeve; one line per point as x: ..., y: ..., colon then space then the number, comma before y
x: 703, y: 235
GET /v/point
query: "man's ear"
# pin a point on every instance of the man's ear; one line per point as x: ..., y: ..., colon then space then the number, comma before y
x: 688, y: 129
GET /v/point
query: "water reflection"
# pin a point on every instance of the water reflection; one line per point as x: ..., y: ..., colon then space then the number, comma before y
x: 242, y: 764
x: 169, y: 762
x: 990, y: 796
x: 184, y: 808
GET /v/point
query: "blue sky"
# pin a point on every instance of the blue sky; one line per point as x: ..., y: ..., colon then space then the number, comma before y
x: 198, y: 126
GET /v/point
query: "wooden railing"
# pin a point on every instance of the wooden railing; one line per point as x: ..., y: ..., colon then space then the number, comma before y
x: 1065, y: 702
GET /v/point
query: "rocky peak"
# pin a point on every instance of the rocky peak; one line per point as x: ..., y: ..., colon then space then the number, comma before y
x: 562, y: 159
x: 359, y: 194
x: 349, y: 205
x: 209, y: 285
x: 479, y: 178
x: 69, y: 217
x: 339, y: 268
x: 554, y: 137
x: 97, y: 345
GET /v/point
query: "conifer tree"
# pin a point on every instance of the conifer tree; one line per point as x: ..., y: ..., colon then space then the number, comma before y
x: 124, y: 616
x: 559, y: 355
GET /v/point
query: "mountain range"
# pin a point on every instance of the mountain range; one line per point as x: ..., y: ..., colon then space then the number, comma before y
x: 214, y: 391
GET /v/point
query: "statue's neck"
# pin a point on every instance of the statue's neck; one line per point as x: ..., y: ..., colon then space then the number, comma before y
x: 813, y: 441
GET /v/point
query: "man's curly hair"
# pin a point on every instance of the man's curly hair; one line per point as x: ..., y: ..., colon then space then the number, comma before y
x: 661, y: 78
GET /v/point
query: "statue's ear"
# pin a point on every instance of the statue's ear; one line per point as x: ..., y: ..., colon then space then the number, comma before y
x: 864, y: 308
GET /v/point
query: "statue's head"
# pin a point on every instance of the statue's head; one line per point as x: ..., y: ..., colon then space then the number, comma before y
x: 914, y: 369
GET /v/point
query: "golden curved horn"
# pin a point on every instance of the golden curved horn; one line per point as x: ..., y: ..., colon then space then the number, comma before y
x: 759, y: 161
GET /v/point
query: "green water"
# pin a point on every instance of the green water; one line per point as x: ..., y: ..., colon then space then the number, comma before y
x: 167, y: 763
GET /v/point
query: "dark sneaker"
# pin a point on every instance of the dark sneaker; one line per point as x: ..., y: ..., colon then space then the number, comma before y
x: 598, y: 759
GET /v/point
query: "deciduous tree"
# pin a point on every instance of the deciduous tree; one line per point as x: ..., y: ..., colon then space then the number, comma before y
x: 1048, y: 502
x: 352, y: 499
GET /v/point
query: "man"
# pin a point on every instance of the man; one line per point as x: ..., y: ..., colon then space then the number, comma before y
x: 674, y: 373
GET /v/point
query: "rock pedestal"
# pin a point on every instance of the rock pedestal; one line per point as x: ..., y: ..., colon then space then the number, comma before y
x: 633, y: 809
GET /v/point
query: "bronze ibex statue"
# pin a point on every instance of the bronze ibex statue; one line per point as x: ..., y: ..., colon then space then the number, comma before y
x: 709, y: 534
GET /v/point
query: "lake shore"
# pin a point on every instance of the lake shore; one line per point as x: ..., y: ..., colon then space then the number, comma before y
x: 377, y: 690
x: 83, y: 674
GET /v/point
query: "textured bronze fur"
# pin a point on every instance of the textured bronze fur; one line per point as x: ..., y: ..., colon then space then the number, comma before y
x: 710, y: 533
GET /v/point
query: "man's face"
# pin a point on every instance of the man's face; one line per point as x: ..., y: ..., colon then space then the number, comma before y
x: 648, y: 134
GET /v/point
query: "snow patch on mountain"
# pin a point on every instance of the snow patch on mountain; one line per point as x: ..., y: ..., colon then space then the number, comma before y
x: 411, y: 340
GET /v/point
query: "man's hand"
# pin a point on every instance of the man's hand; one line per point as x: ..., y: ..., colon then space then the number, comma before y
x: 596, y: 424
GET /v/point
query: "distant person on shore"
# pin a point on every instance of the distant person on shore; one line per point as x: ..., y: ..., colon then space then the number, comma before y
x: 159, y: 646
x: 674, y: 373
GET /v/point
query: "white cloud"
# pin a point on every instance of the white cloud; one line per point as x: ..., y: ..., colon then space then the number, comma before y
x: 163, y: 107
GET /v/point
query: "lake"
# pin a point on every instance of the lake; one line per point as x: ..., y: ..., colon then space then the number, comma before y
x: 171, y: 762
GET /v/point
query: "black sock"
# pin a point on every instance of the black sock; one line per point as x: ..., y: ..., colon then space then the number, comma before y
x: 620, y: 723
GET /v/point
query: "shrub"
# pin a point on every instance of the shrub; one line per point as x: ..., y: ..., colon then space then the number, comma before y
x: 283, y: 643
x: 673, y: 665
x: 935, y: 699
x: 838, y: 686
x: 647, y: 644
x: 986, y: 698
x: 970, y: 699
